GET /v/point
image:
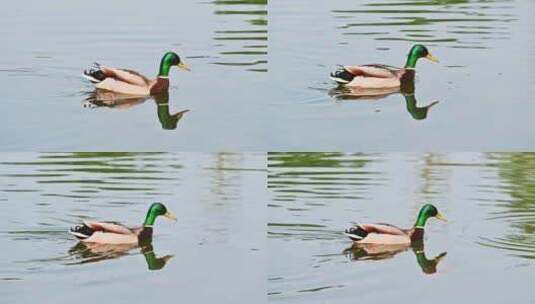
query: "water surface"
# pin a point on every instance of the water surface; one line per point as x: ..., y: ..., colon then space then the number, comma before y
x: 484, y: 84
x: 214, y: 252
x: 46, y: 48
x: 485, y: 251
x: 242, y: 97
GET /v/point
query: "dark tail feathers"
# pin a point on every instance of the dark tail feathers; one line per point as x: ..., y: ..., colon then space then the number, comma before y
x: 342, y: 76
x: 81, y: 231
x: 356, y: 233
x: 94, y: 74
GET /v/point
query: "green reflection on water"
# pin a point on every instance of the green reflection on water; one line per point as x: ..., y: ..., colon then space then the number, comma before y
x: 87, y: 175
x: 517, y: 171
x: 315, y: 159
x: 237, y: 42
x: 293, y: 175
x: 441, y: 20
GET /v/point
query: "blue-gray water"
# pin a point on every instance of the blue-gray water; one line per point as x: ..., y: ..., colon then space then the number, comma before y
x: 217, y: 250
x: 217, y: 245
x: 485, y: 81
x: 488, y: 242
x: 47, y: 46
x: 244, y: 97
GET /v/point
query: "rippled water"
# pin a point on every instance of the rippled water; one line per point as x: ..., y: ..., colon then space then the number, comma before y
x: 249, y: 45
x: 51, y: 107
x: 241, y: 97
x: 486, y: 66
x: 485, y: 251
x: 220, y: 232
x: 455, y: 24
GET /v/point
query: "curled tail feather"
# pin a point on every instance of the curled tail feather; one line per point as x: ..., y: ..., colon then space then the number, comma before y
x: 94, y: 73
x: 81, y: 231
x: 342, y: 76
x: 356, y: 233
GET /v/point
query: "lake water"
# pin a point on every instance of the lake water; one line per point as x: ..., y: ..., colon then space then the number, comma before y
x: 219, y: 249
x: 485, y: 81
x: 219, y: 200
x: 47, y: 46
x: 486, y: 251
x: 242, y: 97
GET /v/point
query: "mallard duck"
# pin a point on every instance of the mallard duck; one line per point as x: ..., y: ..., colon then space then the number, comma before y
x: 111, y: 233
x: 131, y: 82
x: 386, y: 234
x: 379, y: 76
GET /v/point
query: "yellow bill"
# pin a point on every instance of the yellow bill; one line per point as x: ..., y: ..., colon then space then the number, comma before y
x: 439, y: 216
x: 183, y: 66
x: 170, y: 215
x: 432, y: 58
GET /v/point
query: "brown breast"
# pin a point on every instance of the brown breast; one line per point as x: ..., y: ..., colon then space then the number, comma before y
x: 406, y: 79
x: 159, y: 86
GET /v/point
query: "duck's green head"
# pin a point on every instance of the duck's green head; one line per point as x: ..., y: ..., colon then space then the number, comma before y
x: 155, y: 210
x: 418, y: 51
x: 425, y: 213
x: 170, y: 59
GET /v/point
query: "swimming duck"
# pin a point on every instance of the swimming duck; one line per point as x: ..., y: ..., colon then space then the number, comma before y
x: 131, y: 82
x: 111, y: 233
x: 386, y: 234
x: 378, y: 76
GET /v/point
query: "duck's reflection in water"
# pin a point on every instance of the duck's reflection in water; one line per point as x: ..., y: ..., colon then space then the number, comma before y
x: 408, y: 93
x: 90, y: 253
x: 363, y: 252
x: 416, y: 112
x: 169, y: 121
x: 103, y: 98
